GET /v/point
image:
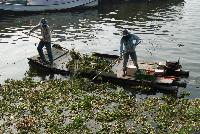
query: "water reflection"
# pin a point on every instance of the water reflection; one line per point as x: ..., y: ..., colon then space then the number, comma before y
x: 43, y: 75
x: 144, y: 18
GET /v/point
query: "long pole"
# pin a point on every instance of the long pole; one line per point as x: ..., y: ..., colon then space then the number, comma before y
x: 106, y: 68
x: 110, y: 64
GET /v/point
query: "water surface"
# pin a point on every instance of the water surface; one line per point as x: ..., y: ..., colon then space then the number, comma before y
x: 170, y: 30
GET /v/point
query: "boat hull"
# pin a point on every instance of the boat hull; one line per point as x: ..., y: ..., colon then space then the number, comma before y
x: 41, y: 8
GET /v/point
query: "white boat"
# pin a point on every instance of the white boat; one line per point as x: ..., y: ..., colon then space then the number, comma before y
x: 47, y: 5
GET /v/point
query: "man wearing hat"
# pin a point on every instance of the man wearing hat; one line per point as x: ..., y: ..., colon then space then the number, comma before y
x: 45, y: 40
x: 128, y: 44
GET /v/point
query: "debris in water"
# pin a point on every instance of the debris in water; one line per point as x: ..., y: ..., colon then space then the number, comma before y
x: 180, y: 45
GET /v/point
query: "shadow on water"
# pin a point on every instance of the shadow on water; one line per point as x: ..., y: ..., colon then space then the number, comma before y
x: 38, y: 73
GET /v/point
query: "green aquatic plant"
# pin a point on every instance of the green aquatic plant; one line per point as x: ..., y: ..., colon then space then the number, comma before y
x: 88, y: 63
x: 74, y: 55
x: 78, y: 123
x: 58, y: 106
x: 84, y: 104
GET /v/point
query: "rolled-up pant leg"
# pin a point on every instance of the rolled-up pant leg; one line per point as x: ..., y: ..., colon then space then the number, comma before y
x: 134, y: 58
x: 49, y: 52
x: 40, y: 50
x: 126, y: 56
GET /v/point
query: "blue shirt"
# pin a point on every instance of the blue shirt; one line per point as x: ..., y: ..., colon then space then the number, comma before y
x: 129, y: 43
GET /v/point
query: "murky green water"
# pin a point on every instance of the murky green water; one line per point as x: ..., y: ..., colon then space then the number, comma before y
x: 169, y: 30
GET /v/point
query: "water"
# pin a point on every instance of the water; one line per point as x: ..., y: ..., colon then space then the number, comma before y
x: 170, y: 30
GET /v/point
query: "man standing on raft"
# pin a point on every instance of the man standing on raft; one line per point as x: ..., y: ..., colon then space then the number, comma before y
x: 127, y: 47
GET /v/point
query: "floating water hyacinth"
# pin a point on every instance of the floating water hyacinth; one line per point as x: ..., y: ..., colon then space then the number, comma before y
x: 57, y: 106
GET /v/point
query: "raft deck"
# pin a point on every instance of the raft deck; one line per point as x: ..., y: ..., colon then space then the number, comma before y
x: 60, y: 58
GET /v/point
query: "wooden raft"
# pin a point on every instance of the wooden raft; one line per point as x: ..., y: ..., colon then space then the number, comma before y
x: 61, y: 57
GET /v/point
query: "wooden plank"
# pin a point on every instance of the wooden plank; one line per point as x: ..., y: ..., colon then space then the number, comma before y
x: 118, y: 67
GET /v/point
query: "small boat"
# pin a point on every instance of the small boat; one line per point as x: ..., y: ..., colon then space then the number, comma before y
x: 159, y: 76
x: 47, y: 5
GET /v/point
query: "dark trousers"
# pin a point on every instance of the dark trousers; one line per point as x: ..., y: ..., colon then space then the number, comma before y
x: 126, y: 57
x: 49, y: 52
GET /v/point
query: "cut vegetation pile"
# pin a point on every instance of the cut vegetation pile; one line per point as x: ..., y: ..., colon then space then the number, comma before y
x: 88, y: 63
